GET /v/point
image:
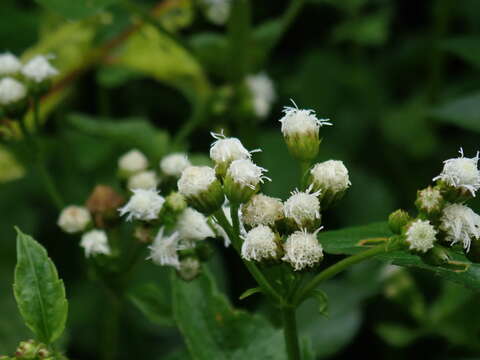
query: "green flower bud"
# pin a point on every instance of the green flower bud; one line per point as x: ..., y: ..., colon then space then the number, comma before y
x: 430, y: 201
x: 331, y: 179
x: 243, y: 180
x: 189, y: 268
x: 397, y: 220
x: 437, y: 256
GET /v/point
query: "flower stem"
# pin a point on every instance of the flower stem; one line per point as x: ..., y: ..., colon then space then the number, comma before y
x: 304, y: 167
x: 290, y: 333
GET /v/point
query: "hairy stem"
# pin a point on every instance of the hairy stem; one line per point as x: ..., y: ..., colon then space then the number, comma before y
x: 290, y: 333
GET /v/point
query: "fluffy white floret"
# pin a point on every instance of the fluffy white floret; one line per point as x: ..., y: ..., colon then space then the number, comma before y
x: 421, y: 235
x: 259, y: 243
x: 331, y: 175
x: 461, y: 172
x: 217, y: 11
x: 302, y: 207
x: 132, y: 162
x: 302, y: 250
x: 227, y: 149
x: 74, y: 219
x: 143, y: 205
x: 263, y: 93
x: 262, y: 210
x: 430, y: 199
x: 164, y: 249
x: 11, y: 91
x: 95, y: 242
x: 143, y: 180
x: 193, y: 226
x: 461, y: 224
x: 195, y: 180
x: 297, y: 121
x: 9, y: 64
x: 39, y: 69
x: 174, y: 164
x: 246, y: 173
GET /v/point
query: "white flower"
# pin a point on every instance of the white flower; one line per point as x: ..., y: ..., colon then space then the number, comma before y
x: 143, y: 180
x: 263, y: 93
x: 74, y: 219
x: 164, y: 249
x: 429, y: 199
x: 303, y: 207
x: 9, y: 64
x: 330, y: 175
x: 461, y: 172
x: 193, y: 226
x: 195, y: 180
x: 259, y: 243
x: 174, y: 164
x: 95, y: 242
x: 224, y: 150
x: 461, y: 224
x: 11, y: 91
x: 132, y: 162
x: 302, y: 250
x: 262, y: 210
x: 39, y: 69
x: 246, y: 173
x: 217, y: 11
x: 421, y: 235
x: 297, y: 121
x: 143, y: 205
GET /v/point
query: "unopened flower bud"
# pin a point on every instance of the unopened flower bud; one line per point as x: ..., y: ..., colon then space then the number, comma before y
x: 225, y: 150
x: 300, y: 129
x: 143, y: 205
x: 132, y: 162
x: 95, y: 242
x: 13, y: 97
x: 460, y: 225
x: 27, y: 350
x: 175, y: 202
x: 243, y: 180
x: 302, y: 250
x: 74, y: 219
x: 143, y: 180
x: 429, y: 201
x: 420, y: 236
x: 302, y: 210
x: 103, y: 203
x: 331, y: 179
x: 397, y: 220
x: 173, y: 164
x: 201, y: 188
x: 189, y: 268
x: 262, y: 210
x: 261, y: 243
x: 436, y: 256
x: 9, y: 64
x: 38, y: 72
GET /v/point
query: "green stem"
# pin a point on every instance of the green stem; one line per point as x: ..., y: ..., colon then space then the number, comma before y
x: 290, y: 333
x: 111, y: 328
x: 196, y: 119
x: 341, y: 266
x: 304, y: 167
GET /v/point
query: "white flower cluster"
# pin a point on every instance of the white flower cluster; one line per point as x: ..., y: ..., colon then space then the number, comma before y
x: 245, y: 173
x: 461, y: 225
x: 262, y: 210
x: 95, y: 242
x: 39, y: 69
x: 195, y: 180
x: 421, y: 235
x: 303, y: 207
x: 173, y: 164
x: 259, y: 244
x: 302, y: 250
x: 297, y: 121
x: 9, y: 64
x: 11, y: 91
x: 331, y: 175
x: 143, y: 205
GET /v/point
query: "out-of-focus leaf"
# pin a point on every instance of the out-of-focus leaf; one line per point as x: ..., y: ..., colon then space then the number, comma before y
x: 466, y: 47
x: 397, y: 335
x: 350, y: 6
x: 211, y: 49
x: 113, y: 76
x: 150, y: 300
x: 39, y: 291
x: 76, y: 9
x: 462, y: 112
x: 322, y: 301
x: 250, y: 292
x: 214, y: 330
x: 367, y: 30
x: 131, y: 132
x: 10, y: 168
x: 177, y: 355
x: 12, y: 329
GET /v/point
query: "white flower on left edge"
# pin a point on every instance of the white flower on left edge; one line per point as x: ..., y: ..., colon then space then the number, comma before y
x: 263, y: 93
x: 9, y: 64
x: 11, y: 91
x: 74, y: 219
x: 143, y: 205
x: 39, y: 69
x: 461, y: 224
x: 95, y: 242
x: 164, y: 249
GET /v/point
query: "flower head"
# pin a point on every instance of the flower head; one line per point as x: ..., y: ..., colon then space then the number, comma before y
x: 9, y: 64
x: 39, y: 69
x: 174, y: 164
x: 302, y: 250
x: 242, y: 180
x: 262, y: 210
x: 143, y: 180
x: 11, y: 91
x: 132, y: 162
x: 164, y: 249
x: 224, y: 150
x: 461, y: 224
x: 331, y: 175
x: 95, y: 242
x: 303, y: 208
x: 429, y: 200
x: 74, y: 219
x: 217, y: 11
x: 143, y: 205
x: 263, y: 93
x: 259, y: 244
x: 421, y: 235
x: 193, y: 226
x: 461, y: 173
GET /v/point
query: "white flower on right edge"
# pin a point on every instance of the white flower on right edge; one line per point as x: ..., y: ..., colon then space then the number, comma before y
x: 461, y: 172
x: 461, y: 224
x: 164, y: 249
x: 421, y: 235
x: 302, y: 250
x: 263, y: 93
x: 95, y: 242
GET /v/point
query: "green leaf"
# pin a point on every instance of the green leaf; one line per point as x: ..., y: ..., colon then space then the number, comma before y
x: 466, y: 47
x: 39, y: 292
x: 11, y: 169
x: 150, y: 300
x: 76, y: 9
x: 368, y: 30
x: 397, y: 335
x: 131, y: 132
x: 212, y: 329
x: 250, y: 292
x: 462, y: 112
x: 322, y: 301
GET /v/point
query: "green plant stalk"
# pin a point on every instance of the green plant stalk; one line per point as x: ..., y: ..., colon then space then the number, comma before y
x: 341, y: 266
x: 290, y: 333
x: 111, y: 328
x: 304, y: 167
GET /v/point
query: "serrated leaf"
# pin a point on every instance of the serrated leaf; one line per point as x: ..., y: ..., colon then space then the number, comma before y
x: 462, y: 112
x: 250, y: 292
x: 322, y: 301
x: 39, y: 292
x: 150, y: 300
x: 76, y: 9
x: 212, y: 329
